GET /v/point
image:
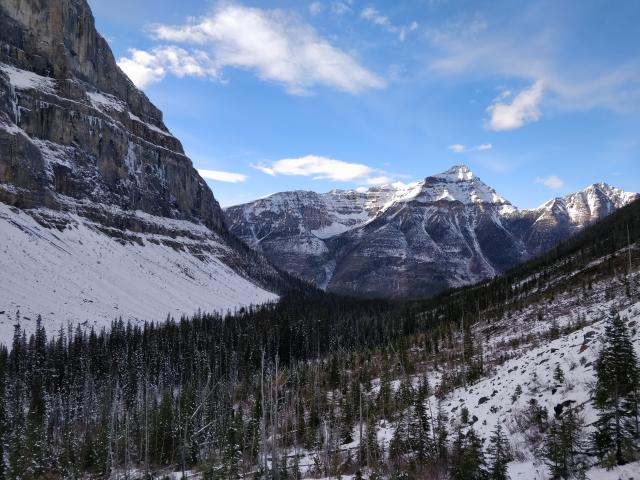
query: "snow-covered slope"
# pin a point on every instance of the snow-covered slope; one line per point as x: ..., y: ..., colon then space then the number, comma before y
x: 78, y: 274
x: 102, y: 213
x: 560, y: 325
x: 397, y: 240
x: 532, y: 362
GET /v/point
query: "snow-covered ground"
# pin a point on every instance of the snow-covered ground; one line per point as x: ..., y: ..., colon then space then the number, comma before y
x: 490, y: 400
x: 82, y: 276
x: 522, y: 338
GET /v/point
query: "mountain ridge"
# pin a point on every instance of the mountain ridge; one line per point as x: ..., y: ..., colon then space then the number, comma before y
x: 452, y: 227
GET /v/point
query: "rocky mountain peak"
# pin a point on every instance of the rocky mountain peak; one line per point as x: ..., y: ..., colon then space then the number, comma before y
x: 446, y: 230
x: 458, y: 184
x: 457, y: 173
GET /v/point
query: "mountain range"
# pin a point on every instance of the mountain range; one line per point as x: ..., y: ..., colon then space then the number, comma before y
x: 102, y: 215
x: 413, y: 240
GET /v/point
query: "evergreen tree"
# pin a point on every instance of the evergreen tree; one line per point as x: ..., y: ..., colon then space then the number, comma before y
x: 615, y: 395
x: 563, y: 444
x: 371, y: 447
x: 441, y: 435
x: 499, y: 455
x: 420, y: 431
x: 398, y: 446
x: 36, y: 445
x: 3, y: 420
x: 232, y: 453
x: 468, y: 461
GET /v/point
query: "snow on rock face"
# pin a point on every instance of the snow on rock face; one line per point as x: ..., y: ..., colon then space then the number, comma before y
x: 78, y: 274
x: 459, y: 184
x: 562, y: 217
x: 397, y: 240
x: 98, y: 199
x: 26, y: 80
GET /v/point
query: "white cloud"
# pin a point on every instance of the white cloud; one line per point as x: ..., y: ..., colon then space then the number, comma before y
x: 341, y: 7
x: 524, y: 108
x: 277, y: 45
x: 551, y: 181
x: 380, y: 180
x: 375, y: 17
x: 145, y: 68
x: 458, y: 148
x: 484, y: 147
x: 316, y: 8
x: 323, y: 168
x: 222, y: 176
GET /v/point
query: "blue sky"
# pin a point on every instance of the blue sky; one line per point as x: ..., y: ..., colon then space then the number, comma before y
x: 539, y: 98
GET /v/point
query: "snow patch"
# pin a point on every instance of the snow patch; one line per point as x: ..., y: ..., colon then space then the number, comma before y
x: 26, y: 80
x: 105, y: 102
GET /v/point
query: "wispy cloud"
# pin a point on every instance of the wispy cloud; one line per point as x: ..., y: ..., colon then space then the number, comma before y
x: 459, y: 148
x: 316, y: 8
x: 374, y: 16
x: 552, y: 181
x: 530, y: 47
x: 277, y: 45
x: 524, y: 108
x: 222, y: 176
x: 324, y: 168
x: 341, y: 7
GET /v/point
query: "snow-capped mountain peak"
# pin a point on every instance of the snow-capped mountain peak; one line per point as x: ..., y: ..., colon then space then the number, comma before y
x: 585, y: 206
x: 457, y: 173
x: 459, y: 184
x: 401, y: 239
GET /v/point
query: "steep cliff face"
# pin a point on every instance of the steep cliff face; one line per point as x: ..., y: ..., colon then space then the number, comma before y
x: 447, y: 230
x: 81, y: 146
x: 89, y: 134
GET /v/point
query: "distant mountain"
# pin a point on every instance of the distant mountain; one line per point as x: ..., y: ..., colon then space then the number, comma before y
x: 447, y: 230
x: 101, y: 213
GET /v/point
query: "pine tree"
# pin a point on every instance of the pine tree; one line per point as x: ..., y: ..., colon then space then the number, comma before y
x: 3, y: 420
x: 563, y: 444
x: 420, y: 431
x: 468, y: 461
x: 398, y: 445
x: 372, y: 448
x: 499, y: 455
x: 441, y: 435
x: 232, y: 453
x: 36, y: 448
x: 615, y: 395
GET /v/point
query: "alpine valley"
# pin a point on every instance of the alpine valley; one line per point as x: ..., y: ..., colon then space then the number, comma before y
x: 398, y: 240
x: 429, y: 331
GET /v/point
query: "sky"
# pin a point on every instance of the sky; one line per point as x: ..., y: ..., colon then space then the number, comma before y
x: 538, y: 98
